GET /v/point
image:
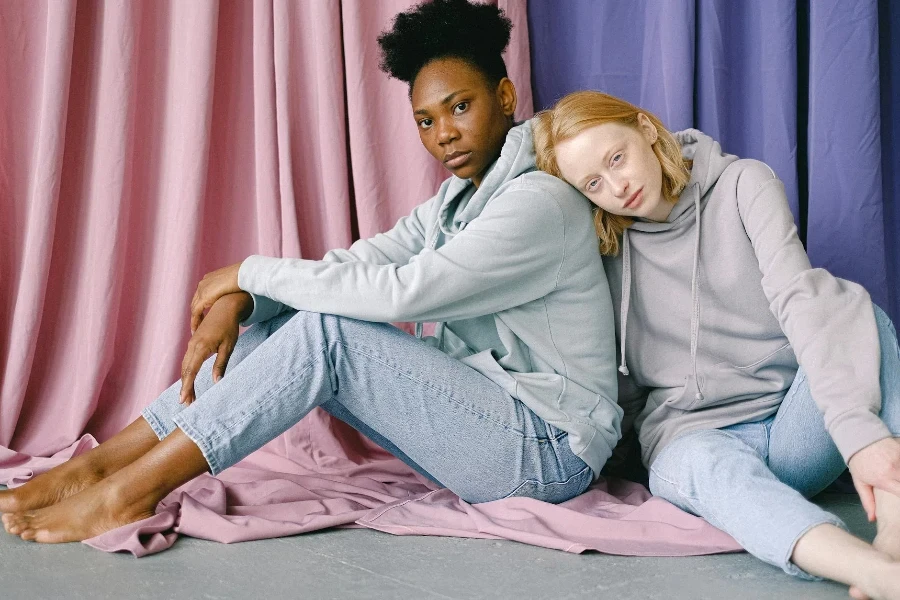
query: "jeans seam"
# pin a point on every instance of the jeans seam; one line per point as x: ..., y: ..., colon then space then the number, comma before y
x: 377, y: 358
x: 697, y: 502
x: 552, y: 483
x: 673, y: 484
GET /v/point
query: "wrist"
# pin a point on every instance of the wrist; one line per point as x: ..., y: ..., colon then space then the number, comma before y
x: 241, y: 303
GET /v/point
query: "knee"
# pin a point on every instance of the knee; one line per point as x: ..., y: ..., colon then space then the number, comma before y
x: 698, y: 460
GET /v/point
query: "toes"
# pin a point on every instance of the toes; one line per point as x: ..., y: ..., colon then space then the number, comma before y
x: 12, y: 523
x: 28, y: 534
x: 19, y: 523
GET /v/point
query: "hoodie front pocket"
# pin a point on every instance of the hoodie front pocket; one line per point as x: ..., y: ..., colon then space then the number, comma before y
x: 724, y: 383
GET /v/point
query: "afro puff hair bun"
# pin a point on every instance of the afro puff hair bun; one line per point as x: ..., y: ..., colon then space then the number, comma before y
x: 476, y: 33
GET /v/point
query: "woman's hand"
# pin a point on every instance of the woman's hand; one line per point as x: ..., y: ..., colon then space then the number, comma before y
x: 218, y: 333
x: 213, y: 286
x: 877, y: 466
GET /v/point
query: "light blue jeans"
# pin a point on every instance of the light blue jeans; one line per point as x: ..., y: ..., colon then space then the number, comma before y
x: 752, y: 480
x: 442, y: 418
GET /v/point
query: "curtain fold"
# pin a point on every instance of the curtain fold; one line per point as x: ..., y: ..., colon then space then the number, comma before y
x: 143, y: 144
x: 31, y: 163
x: 800, y: 85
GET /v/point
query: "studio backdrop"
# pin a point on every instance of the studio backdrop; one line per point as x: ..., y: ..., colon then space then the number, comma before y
x: 144, y: 143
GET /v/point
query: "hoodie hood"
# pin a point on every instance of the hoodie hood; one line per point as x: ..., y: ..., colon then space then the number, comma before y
x: 516, y: 158
x: 709, y: 162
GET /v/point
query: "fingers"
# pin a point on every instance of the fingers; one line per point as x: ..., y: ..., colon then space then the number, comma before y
x: 224, y: 353
x: 190, y: 366
x: 196, y: 318
x: 867, y: 495
x: 857, y: 594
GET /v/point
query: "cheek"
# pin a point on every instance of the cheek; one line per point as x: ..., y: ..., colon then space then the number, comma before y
x: 600, y: 201
x: 428, y: 141
x: 655, y: 170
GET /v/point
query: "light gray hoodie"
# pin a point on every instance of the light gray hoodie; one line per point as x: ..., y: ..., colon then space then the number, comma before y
x: 717, y: 306
x: 511, y: 273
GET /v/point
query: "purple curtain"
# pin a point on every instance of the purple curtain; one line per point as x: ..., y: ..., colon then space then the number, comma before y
x: 806, y: 87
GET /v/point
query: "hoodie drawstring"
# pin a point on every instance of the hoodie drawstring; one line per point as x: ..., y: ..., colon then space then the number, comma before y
x: 695, y: 299
x: 431, y: 240
x: 626, y: 297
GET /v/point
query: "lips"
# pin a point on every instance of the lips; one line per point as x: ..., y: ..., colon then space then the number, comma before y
x: 635, y: 198
x: 454, y: 160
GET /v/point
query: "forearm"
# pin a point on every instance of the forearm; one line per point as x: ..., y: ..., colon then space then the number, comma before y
x: 238, y: 303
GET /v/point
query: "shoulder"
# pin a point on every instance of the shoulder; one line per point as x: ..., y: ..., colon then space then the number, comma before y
x: 543, y: 189
x: 749, y: 177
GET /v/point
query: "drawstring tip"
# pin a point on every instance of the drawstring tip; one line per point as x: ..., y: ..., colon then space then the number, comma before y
x: 624, y: 370
x: 699, y: 396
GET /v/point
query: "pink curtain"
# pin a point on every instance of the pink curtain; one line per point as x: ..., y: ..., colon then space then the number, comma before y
x: 143, y: 144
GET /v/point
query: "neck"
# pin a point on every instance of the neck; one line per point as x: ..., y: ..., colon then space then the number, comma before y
x: 662, y: 212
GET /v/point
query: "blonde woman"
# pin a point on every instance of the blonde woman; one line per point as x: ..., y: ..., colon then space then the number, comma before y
x: 755, y: 378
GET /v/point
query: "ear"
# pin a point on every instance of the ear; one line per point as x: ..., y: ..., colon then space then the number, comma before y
x: 506, y: 96
x: 647, y: 128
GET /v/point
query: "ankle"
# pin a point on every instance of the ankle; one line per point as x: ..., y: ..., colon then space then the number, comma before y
x: 877, y: 571
x: 888, y: 525
x: 95, y: 468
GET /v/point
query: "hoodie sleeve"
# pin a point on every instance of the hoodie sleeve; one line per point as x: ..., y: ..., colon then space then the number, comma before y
x: 829, y: 322
x: 511, y: 254
x: 396, y: 246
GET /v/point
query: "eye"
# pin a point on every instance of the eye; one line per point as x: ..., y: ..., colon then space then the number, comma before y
x: 426, y: 123
x: 593, y: 184
x: 460, y: 108
x: 617, y: 158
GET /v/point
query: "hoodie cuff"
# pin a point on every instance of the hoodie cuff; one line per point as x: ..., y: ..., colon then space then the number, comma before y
x: 856, y: 429
x: 263, y: 310
x: 252, y: 278
x: 254, y: 274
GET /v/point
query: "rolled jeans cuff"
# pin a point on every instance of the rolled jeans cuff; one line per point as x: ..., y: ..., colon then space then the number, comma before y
x: 789, y: 567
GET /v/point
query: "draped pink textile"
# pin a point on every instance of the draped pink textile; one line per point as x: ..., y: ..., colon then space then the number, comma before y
x: 144, y: 143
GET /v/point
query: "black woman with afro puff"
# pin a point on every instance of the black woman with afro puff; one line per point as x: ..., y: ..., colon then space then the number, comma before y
x: 513, y: 396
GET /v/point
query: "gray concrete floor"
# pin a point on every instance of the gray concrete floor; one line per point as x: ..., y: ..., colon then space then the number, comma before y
x: 351, y: 564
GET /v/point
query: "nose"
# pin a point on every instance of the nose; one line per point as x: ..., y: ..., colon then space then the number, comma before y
x: 446, y: 131
x: 619, y: 186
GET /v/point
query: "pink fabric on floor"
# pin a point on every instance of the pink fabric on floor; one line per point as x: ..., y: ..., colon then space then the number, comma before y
x: 150, y: 142
x: 338, y: 478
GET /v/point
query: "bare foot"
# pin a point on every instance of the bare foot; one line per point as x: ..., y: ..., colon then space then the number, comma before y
x: 51, y: 487
x: 96, y: 510
x: 885, y: 585
x: 888, y: 540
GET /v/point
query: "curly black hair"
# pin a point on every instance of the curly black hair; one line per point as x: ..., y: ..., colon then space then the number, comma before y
x: 476, y: 33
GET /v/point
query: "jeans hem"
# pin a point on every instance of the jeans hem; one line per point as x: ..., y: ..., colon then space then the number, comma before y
x: 154, y: 422
x: 792, y: 569
x: 195, y: 437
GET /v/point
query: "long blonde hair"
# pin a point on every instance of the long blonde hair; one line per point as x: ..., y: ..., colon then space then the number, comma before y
x: 582, y: 110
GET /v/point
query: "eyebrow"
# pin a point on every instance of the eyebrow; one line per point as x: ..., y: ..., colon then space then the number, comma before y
x: 447, y: 100
x: 590, y: 176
